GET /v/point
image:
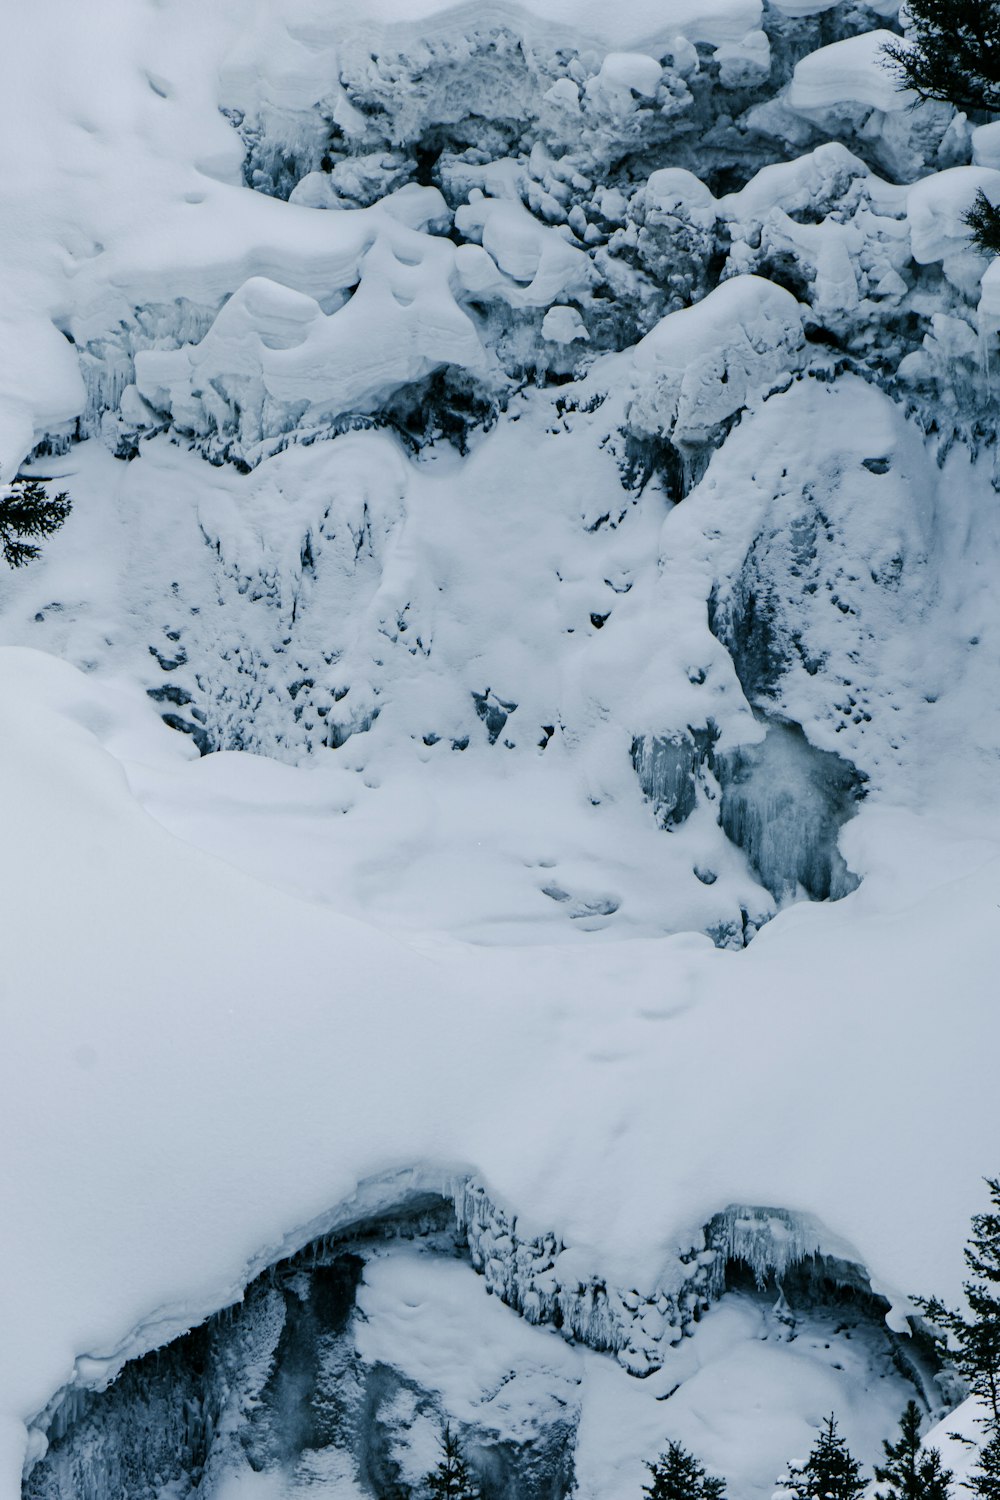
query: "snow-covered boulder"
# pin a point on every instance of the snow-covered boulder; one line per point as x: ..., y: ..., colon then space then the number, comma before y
x: 852, y: 71
x: 849, y: 88
x: 936, y: 209
x: 699, y: 367
x: 526, y: 264
x: 274, y: 362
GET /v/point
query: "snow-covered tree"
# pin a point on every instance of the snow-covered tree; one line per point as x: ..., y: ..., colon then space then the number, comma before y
x: 28, y: 511
x: 829, y: 1473
x: 910, y: 1472
x: 452, y: 1479
x: 677, y: 1475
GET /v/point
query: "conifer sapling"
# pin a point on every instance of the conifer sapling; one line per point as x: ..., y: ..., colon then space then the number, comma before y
x: 829, y: 1473
x: 452, y: 1479
x: 27, y: 510
x: 985, y: 1477
x: 909, y: 1472
x: 677, y: 1475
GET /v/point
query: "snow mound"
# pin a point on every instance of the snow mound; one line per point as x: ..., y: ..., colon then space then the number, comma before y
x: 273, y: 361
x: 699, y: 367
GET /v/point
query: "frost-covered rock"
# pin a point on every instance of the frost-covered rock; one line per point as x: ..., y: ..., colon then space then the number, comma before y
x: 564, y: 325
x: 537, y: 267
x: 701, y: 366
x: 473, y: 746
x: 848, y: 88
x: 344, y: 1364
x: 274, y: 361
x: 936, y: 209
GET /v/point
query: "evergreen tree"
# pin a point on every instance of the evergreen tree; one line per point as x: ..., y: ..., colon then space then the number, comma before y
x: 677, y: 1475
x: 985, y: 1478
x: 451, y: 1480
x: 952, y: 52
x: 26, y: 510
x: 984, y: 221
x: 909, y: 1473
x: 978, y: 1335
x: 829, y: 1473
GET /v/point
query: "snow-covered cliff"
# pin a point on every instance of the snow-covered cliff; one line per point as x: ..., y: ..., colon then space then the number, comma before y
x: 510, y: 722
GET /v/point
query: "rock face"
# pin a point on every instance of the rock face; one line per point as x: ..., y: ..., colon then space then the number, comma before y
x: 540, y: 468
x: 489, y: 302
x: 339, y: 1368
x: 668, y: 768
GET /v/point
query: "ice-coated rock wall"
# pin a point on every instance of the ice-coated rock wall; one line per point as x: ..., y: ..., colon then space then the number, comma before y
x: 544, y: 479
x: 458, y: 316
x: 313, y: 1377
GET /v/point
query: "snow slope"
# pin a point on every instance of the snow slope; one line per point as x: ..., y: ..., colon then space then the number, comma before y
x: 201, y: 1071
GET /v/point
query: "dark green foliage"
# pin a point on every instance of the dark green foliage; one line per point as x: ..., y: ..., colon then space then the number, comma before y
x: 677, y: 1475
x: 953, y: 53
x: 451, y: 1480
x: 829, y: 1473
x: 977, y: 1336
x: 909, y: 1474
x: 985, y: 1480
x: 984, y: 221
x: 26, y: 510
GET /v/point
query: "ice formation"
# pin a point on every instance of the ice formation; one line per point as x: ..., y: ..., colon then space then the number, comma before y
x: 338, y: 1365
x: 502, y: 756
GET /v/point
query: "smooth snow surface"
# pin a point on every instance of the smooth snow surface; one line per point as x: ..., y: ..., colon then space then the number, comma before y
x: 534, y: 540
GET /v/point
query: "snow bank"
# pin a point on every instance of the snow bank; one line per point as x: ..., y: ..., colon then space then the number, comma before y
x: 637, y: 25
x: 153, y: 1250
x: 849, y: 71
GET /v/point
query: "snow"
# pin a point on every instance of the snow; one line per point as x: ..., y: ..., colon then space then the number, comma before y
x: 704, y: 364
x: 272, y: 358
x: 163, y: 1229
x: 449, y: 909
x: 986, y: 145
x: 852, y: 71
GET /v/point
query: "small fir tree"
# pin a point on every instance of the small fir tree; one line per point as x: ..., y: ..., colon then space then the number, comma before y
x: 829, y: 1473
x: 27, y: 511
x: 677, y: 1475
x: 951, y: 52
x: 977, y: 1336
x: 985, y: 1478
x: 910, y: 1473
x: 984, y: 221
x: 451, y: 1480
